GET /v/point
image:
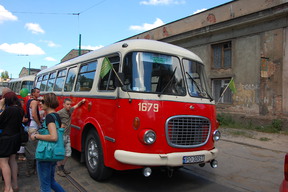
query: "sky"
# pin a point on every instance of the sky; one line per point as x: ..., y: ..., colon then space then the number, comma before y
x: 42, y: 32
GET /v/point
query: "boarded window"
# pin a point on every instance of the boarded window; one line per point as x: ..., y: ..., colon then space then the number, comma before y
x: 222, y: 56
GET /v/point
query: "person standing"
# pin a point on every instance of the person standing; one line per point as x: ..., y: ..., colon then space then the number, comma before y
x: 46, y: 169
x: 65, y: 115
x: 34, y: 123
x: 2, y: 104
x: 10, y: 140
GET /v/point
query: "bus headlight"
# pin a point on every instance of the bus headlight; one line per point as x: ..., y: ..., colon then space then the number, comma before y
x: 216, y: 135
x: 148, y: 137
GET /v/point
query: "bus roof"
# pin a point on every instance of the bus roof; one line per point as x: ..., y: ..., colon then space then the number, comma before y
x: 128, y: 46
x: 25, y: 78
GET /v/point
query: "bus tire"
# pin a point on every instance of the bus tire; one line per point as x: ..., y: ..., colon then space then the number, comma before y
x: 94, y: 158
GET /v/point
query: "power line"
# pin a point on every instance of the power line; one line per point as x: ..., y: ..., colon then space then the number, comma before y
x: 41, y: 13
x: 92, y: 6
x: 57, y: 13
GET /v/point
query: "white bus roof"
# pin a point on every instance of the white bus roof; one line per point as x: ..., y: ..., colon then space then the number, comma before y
x: 128, y: 46
x: 25, y: 78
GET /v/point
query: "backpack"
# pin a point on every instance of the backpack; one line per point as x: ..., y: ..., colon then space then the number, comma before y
x: 28, y: 112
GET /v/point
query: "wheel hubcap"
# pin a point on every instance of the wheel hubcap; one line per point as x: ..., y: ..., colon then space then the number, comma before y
x: 93, y: 154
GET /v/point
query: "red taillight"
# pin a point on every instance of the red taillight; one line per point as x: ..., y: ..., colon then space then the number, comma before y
x: 286, y: 167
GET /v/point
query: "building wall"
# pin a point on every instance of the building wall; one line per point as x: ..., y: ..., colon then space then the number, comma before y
x: 285, y: 72
x: 258, y: 33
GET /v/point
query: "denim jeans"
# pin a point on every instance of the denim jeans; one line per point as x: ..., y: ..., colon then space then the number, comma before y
x: 46, y: 171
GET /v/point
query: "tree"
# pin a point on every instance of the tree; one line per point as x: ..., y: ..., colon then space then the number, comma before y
x: 4, y: 75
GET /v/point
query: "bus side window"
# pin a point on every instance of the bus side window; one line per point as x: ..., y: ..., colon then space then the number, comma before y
x: 70, y: 79
x: 86, y: 77
x: 51, y: 81
x: 38, y: 83
x: 17, y: 87
x: 60, y: 80
x: 107, y: 81
x: 44, y: 82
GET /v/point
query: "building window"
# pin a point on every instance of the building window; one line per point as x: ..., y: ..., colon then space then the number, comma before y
x: 218, y: 86
x: 222, y: 56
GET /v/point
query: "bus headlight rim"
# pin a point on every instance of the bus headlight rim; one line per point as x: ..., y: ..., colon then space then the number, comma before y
x: 149, y: 137
x: 216, y: 135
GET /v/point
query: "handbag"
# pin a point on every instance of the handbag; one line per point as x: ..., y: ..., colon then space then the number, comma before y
x: 49, y: 150
x: 23, y: 134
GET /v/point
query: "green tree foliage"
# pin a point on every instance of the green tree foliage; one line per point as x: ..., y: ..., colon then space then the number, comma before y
x: 4, y: 75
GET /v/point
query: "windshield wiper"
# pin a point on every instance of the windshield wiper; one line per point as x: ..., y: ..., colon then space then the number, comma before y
x: 169, y: 82
x: 201, y: 90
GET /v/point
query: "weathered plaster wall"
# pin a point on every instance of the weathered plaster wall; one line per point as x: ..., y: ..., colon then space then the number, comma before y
x: 245, y: 65
x: 285, y: 71
x: 212, y: 16
x: 271, y: 72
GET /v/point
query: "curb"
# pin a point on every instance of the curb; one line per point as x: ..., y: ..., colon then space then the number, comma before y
x: 251, y: 145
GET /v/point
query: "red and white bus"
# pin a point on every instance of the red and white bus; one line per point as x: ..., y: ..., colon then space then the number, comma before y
x: 23, y: 82
x: 18, y: 84
x: 147, y: 105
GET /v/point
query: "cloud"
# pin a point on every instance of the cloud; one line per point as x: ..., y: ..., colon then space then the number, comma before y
x: 34, y: 28
x: 92, y: 47
x: 50, y: 59
x: 22, y: 49
x: 200, y: 10
x: 50, y: 43
x: 147, y: 26
x: 5, y: 15
x: 162, y: 2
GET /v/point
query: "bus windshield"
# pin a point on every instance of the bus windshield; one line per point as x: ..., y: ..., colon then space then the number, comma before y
x: 153, y: 73
x: 196, y: 79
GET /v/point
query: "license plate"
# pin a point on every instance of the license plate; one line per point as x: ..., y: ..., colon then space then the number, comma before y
x: 193, y: 159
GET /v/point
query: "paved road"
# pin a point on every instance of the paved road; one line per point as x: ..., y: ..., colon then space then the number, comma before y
x: 242, y: 167
x: 246, y: 168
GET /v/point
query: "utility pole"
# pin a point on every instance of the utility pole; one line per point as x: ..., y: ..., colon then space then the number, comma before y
x: 79, y: 51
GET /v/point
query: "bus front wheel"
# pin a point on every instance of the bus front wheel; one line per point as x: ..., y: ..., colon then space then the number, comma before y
x: 94, y: 158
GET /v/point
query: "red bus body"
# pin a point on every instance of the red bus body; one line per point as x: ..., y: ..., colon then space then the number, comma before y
x: 109, y: 128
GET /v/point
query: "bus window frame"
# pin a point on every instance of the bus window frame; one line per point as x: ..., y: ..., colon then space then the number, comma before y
x: 78, y: 89
x: 76, y: 67
x: 114, y: 65
x: 59, y: 72
x: 43, y: 80
x: 49, y: 78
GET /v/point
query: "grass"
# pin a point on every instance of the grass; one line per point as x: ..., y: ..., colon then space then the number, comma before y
x: 227, y: 121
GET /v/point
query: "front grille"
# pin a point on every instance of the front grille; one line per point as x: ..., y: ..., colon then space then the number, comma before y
x: 187, y: 131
